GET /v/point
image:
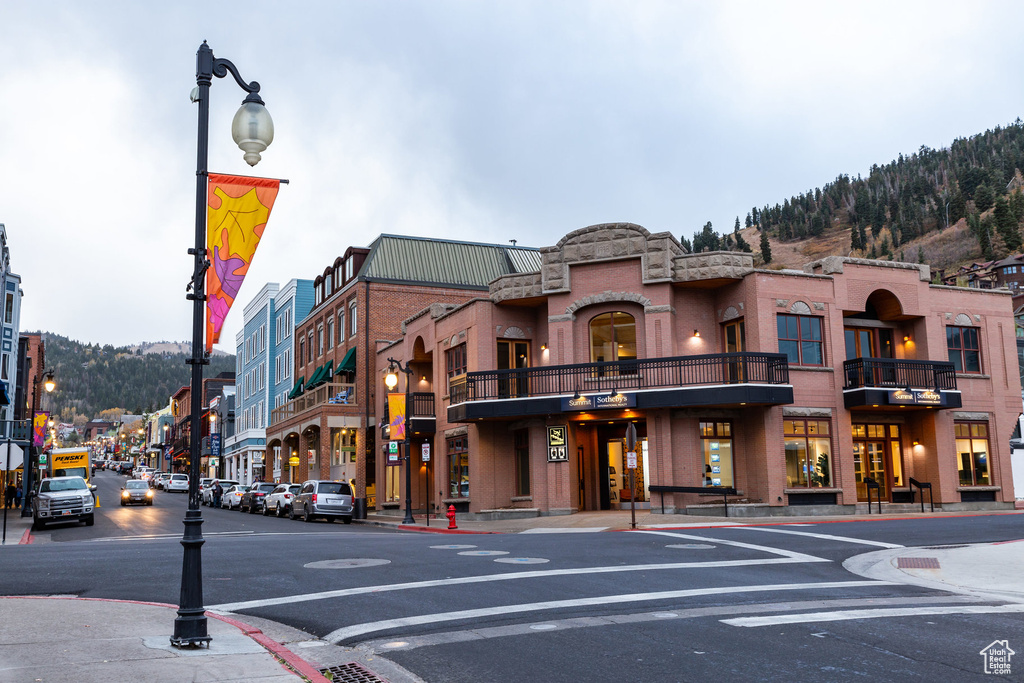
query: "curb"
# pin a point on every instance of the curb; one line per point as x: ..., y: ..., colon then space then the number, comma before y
x: 26, y: 538
x: 297, y: 665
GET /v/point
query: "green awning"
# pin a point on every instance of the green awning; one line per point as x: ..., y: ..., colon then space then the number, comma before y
x: 325, y: 375
x: 316, y: 377
x: 348, y: 363
x: 297, y: 389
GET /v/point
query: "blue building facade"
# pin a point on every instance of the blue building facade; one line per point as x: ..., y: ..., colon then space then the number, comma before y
x: 293, y: 303
x: 10, y: 325
x: 263, y: 367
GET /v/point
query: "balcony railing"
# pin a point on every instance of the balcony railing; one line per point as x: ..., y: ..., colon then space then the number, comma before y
x: 898, y: 374
x: 422, y: 404
x: 652, y: 373
x: 325, y: 394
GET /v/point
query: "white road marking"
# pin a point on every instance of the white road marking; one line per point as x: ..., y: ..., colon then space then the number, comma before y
x: 799, y: 557
x: 486, y: 578
x: 845, y: 615
x: 787, y: 557
x: 827, y: 537
x: 347, y: 632
x: 566, y: 530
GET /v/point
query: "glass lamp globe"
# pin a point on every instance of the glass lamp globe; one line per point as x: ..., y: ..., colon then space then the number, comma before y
x: 252, y: 130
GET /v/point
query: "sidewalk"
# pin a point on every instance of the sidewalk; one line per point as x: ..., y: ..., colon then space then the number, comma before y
x: 59, y: 637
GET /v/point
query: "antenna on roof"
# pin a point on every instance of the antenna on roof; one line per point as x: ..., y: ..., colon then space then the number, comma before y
x: 513, y: 242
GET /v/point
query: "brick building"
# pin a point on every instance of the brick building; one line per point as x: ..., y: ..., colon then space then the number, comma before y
x: 326, y: 428
x: 805, y: 390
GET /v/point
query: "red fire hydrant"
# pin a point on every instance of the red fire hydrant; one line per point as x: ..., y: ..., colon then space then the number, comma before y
x: 451, y: 517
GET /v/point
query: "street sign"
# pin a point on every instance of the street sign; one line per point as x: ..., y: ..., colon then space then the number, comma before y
x: 631, y: 440
x: 631, y: 460
x: 425, y: 452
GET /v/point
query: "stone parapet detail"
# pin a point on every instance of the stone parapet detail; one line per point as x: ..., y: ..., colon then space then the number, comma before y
x: 712, y: 265
x: 519, y: 286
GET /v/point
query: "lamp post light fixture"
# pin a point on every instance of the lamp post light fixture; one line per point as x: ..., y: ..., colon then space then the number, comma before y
x: 391, y: 380
x: 253, y: 130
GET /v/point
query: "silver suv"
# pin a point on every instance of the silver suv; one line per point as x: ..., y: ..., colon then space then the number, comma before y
x: 63, y: 499
x: 320, y: 498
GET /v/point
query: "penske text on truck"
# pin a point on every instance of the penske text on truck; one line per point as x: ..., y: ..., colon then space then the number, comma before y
x: 69, y: 462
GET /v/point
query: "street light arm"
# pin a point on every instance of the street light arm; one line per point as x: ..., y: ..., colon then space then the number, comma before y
x: 221, y: 68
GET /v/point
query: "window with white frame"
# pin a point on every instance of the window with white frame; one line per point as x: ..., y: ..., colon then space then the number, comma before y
x: 341, y: 325
x: 319, y: 340
x: 263, y: 374
x: 353, y: 326
x: 330, y: 332
x: 263, y: 337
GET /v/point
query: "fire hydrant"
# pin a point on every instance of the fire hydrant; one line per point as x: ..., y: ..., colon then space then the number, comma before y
x: 451, y: 517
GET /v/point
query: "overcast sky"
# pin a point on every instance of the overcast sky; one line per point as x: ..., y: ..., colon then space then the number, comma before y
x: 482, y: 121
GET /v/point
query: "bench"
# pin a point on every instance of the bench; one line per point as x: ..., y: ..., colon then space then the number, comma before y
x: 724, y: 491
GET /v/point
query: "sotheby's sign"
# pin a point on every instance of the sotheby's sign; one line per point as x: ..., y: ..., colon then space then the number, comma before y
x: 598, y: 402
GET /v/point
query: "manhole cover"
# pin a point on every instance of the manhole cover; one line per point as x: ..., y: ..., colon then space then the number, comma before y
x: 483, y: 553
x: 452, y: 547
x: 352, y: 673
x: 521, y: 560
x: 917, y: 563
x: 351, y: 563
x: 691, y: 546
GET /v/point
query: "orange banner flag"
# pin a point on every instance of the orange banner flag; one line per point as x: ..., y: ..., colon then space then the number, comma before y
x: 237, y: 210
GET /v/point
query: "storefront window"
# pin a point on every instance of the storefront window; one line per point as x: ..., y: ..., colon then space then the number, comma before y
x: 716, y: 444
x: 972, y: 453
x: 522, y: 455
x: 343, y: 446
x: 458, y: 467
x: 808, y: 453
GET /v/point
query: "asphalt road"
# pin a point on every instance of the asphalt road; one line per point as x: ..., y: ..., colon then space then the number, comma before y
x: 665, y: 605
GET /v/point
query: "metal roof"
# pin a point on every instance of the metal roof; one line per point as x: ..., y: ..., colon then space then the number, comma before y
x: 401, y: 258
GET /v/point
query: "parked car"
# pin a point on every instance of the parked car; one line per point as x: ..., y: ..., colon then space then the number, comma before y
x: 177, y: 482
x: 160, y: 479
x: 320, y: 498
x: 232, y: 497
x: 206, y: 495
x: 62, y: 499
x: 279, y: 501
x: 203, y: 483
x: 136, y: 491
x: 142, y: 472
x: 252, y: 500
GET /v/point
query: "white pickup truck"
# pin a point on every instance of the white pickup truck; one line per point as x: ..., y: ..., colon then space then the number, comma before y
x: 63, y: 499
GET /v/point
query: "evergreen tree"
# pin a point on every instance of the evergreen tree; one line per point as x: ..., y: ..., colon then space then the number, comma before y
x: 1006, y: 226
x: 741, y: 244
x: 984, y: 198
x: 736, y: 228
x: 750, y: 221
x: 706, y: 240
x: 920, y: 254
x: 686, y: 244
x: 957, y: 207
x: 766, y: 248
x: 855, y: 243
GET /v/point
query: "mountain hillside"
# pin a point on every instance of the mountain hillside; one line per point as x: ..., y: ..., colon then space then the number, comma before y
x: 900, y: 211
x: 92, y: 378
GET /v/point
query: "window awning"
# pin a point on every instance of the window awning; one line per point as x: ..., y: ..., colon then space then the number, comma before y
x: 317, y: 378
x: 348, y: 363
x: 297, y: 389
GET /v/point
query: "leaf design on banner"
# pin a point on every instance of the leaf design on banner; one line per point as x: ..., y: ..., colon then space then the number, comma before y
x: 238, y: 218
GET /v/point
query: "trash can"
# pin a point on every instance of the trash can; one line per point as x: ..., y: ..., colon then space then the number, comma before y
x: 359, y: 508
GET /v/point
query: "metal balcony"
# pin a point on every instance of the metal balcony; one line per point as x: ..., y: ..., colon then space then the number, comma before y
x: 705, y: 380
x: 898, y: 382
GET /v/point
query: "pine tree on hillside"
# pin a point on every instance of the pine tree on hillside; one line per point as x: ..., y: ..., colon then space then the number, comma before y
x: 1006, y: 225
x: 984, y: 198
x: 766, y: 248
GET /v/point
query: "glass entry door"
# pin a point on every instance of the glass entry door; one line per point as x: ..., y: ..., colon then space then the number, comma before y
x: 869, y: 461
x: 735, y: 342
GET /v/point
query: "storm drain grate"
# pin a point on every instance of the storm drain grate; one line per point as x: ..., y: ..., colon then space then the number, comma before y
x: 917, y: 563
x: 351, y: 673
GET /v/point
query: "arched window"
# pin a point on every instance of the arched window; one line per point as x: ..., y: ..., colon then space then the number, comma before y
x: 613, y: 337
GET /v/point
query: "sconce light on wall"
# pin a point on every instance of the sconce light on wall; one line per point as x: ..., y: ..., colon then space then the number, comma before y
x: 916, y: 442
x: 543, y: 347
x: 696, y: 333
x: 906, y: 339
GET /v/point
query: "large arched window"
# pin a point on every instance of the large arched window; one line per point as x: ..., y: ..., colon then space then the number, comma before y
x: 613, y: 337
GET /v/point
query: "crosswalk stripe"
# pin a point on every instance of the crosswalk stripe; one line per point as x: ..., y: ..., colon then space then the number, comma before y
x: 356, y: 630
x: 845, y: 615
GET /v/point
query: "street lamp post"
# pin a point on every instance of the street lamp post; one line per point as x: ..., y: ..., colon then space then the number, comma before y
x: 391, y: 380
x: 252, y: 130
x: 29, y: 466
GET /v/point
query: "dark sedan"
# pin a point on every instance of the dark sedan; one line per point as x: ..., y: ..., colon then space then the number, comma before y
x: 136, y: 491
x: 252, y: 500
